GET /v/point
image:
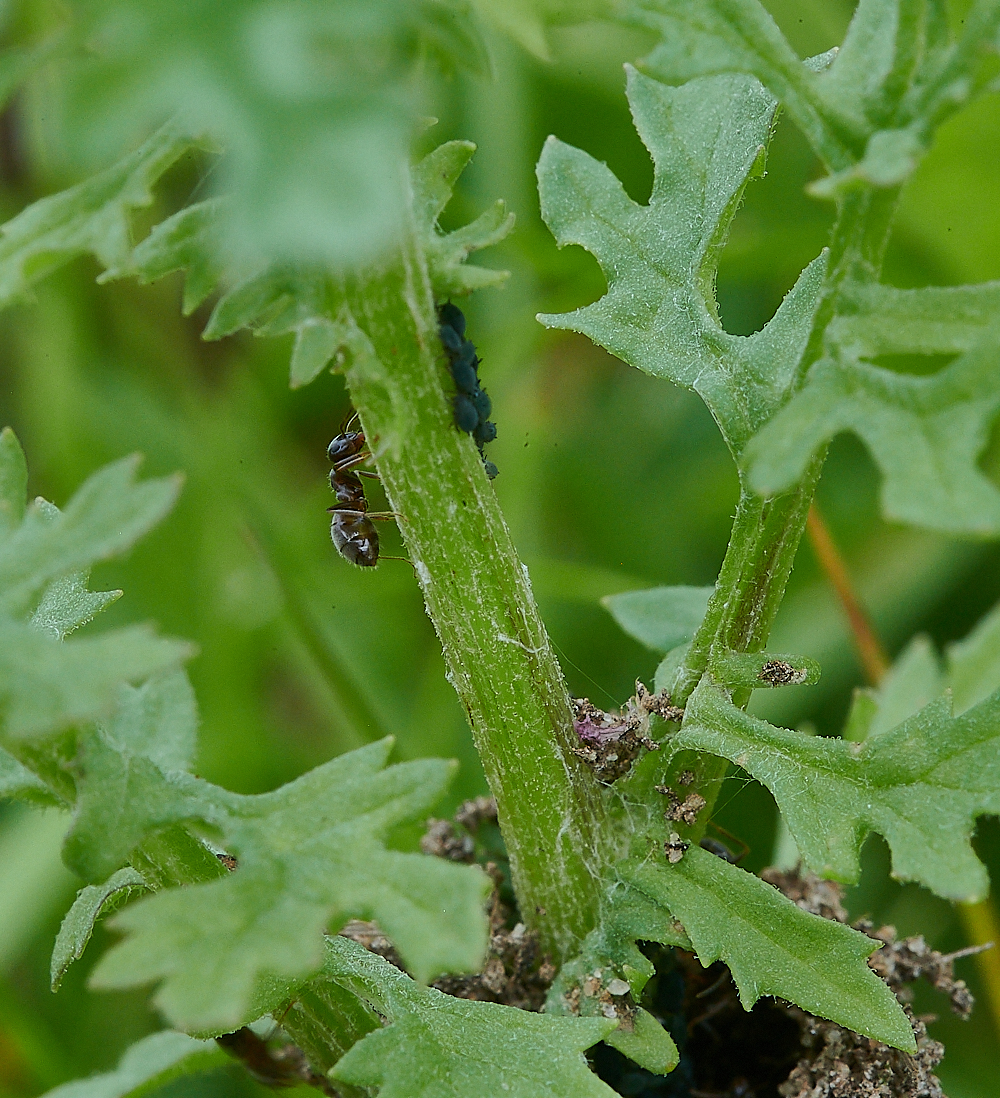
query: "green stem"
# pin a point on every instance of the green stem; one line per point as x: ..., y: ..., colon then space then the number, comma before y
x: 478, y: 596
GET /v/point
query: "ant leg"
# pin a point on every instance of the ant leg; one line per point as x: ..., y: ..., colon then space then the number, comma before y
x: 347, y: 511
x: 386, y: 515
x: 368, y: 472
x: 349, y: 462
x: 406, y: 560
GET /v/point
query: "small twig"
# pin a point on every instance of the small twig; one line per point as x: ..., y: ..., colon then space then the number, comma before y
x: 873, y: 655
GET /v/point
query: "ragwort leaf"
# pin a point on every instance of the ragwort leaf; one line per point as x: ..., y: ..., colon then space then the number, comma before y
x: 78, y: 923
x: 433, y: 180
x: 146, y: 1067
x: 659, y: 314
x: 925, y: 434
x: 772, y: 946
x: 90, y: 218
x: 439, y: 1046
x: 662, y: 617
x: 311, y: 854
x: 920, y: 785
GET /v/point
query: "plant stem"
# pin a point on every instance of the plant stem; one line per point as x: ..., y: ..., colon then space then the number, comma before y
x: 478, y: 596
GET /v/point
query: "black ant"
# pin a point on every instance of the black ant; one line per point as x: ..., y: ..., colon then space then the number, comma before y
x: 352, y: 529
x: 471, y: 404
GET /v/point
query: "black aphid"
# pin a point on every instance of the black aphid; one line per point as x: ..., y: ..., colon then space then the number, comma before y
x: 471, y: 403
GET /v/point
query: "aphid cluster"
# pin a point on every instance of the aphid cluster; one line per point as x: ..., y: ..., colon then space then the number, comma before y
x: 471, y: 403
x: 352, y: 529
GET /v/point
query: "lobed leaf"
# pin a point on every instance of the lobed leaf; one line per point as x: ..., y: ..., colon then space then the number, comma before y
x: 439, y: 1046
x: 659, y: 314
x: 107, y: 515
x: 146, y: 1067
x: 920, y: 785
x: 706, y: 37
x: 90, y: 218
x: 188, y: 242
x: 13, y: 482
x: 311, y: 854
x: 433, y: 180
x: 78, y: 923
x: 47, y: 685
x: 772, y: 946
x: 925, y: 434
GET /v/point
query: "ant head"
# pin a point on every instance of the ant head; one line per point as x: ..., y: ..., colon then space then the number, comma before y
x: 345, y: 445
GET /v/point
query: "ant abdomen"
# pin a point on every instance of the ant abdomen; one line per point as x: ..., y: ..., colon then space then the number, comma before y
x: 355, y: 538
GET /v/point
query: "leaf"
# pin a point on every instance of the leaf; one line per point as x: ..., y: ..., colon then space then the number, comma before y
x: 433, y: 180
x: 16, y: 780
x: 311, y: 854
x: 920, y: 785
x: 609, y: 954
x: 13, y: 482
x: 47, y: 685
x: 148, y: 1065
x: 92, y: 217
x: 157, y: 721
x: 773, y: 947
x: 874, y: 319
x: 68, y: 603
x: 704, y: 37
x: 925, y: 434
x: 661, y: 617
x: 107, y: 515
x: 189, y: 242
x: 439, y: 1046
x: 974, y: 663
x: 78, y: 924
x: 659, y: 314
x: 308, y: 300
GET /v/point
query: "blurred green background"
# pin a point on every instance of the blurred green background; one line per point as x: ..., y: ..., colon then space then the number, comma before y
x: 610, y: 480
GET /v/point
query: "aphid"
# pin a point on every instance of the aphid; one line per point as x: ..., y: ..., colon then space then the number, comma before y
x: 471, y: 404
x: 352, y: 529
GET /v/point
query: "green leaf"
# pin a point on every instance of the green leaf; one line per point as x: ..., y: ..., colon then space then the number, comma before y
x: 662, y: 617
x: 107, y: 515
x: 79, y: 922
x: 16, y: 780
x: 974, y: 663
x: 773, y: 947
x: 92, y: 217
x: 438, y: 1046
x: 13, y: 482
x: 925, y: 434
x: 311, y: 854
x: 762, y: 669
x: 874, y: 319
x: 47, y: 685
x: 189, y: 242
x: 148, y: 1065
x: 920, y: 785
x: 157, y: 721
x: 433, y: 180
x: 659, y: 314
x: 703, y: 37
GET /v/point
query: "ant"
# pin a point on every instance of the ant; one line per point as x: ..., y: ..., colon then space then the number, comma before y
x: 352, y: 529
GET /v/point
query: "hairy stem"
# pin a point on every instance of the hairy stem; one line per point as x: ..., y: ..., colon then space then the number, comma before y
x: 478, y: 596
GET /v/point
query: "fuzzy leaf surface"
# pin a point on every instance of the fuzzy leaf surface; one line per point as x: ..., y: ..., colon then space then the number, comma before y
x: 90, y: 218
x: 662, y: 617
x: 704, y: 37
x: 439, y: 1046
x: 920, y: 785
x: 771, y: 946
x: 148, y: 1065
x: 706, y: 140
x: 311, y: 854
x: 78, y: 924
x: 925, y: 433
